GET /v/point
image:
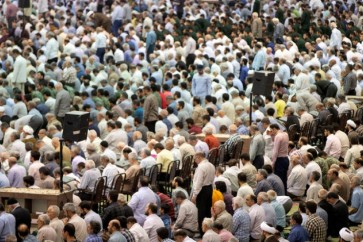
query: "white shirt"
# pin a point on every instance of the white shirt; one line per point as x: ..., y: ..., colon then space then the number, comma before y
x: 52, y: 48
x: 139, y: 233
x: 296, y: 182
x: 152, y: 223
x: 101, y: 40
x: 110, y: 172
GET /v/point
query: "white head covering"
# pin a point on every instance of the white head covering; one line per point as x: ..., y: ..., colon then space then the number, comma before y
x: 346, y: 234
x: 265, y: 227
x: 27, y: 129
x: 351, y: 123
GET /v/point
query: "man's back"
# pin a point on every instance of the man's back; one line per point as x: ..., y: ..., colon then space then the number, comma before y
x: 139, y: 201
x: 152, y: 223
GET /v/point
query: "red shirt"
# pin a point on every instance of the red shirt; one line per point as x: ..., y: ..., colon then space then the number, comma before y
x: 166, y: 199
x: 211, y: 141
x: 195, y: 130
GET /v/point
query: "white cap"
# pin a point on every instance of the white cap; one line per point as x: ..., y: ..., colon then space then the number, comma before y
x: 298, y: 66
x: 351, y: 123
x: 346, y: 234
x: 269, y: 229
x: 28, y: 129
x: 89, y: 14
x: 2, y: 109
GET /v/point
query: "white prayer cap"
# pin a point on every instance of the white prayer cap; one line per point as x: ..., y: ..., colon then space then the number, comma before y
x: 346, y: 234
x: 298, y: 66
x: 269, y: 229
x: 2, y: 109
x: 27, y: 129
x: 351, y: 123
x: 89, y: 14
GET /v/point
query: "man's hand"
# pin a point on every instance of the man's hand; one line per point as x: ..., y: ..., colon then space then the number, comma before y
x: 194, y: 199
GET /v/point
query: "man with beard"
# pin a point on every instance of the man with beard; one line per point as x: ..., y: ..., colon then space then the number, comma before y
x: 152, y: 222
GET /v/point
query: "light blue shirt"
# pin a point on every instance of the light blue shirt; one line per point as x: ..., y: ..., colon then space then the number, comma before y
x: 15, y: 175
x: 117, y: 237
x: 280, y: 213
x: 259, y: 61
x: 139, y: 201
x: 357, y: 202
x: 4, y: 181
x: 201, y: 85
x: 7, y: 225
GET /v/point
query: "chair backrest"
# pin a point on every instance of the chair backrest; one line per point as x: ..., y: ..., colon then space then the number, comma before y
x: 237, y: 149
x: 187, y: 167
x: 359, y: 114
x: 343, y: 120
x: 313, y: 129
x: 154, y: 173
x: 118, y: 182
x: 329, y: 119
x: 135, y: 182
x: 222, y: 154
x: 98, y: 191
x: 171, y: 172
x: 305, y: 129
x: 292, y: 132
x: 213, y: 156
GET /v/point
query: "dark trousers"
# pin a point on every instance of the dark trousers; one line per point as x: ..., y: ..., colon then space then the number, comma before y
x: 100, y: 52
x: 281, y: 167
x: 258, y: 161
x: 116, y: 26
x: 204, y: 204
x: 149, y: 50
x: 151, y: 125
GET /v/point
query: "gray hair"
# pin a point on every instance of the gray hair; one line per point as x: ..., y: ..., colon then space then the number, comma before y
x: 238, y: 201
x: 208, y: 222
x: 45, y: 218
x: 56, y: 209
x: 146, y: 151
x: 272, y: 195
x: 70, y: 207
x: 263, y: 196
x: 133, y: 156
x: 263, y: 172
x: 90, y: 164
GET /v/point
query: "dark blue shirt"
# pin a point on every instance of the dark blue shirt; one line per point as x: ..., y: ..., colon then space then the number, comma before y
x: 298, y: 234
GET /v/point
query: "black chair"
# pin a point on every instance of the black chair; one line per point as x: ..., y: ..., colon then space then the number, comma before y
x: 154, y: 173
x: 305, y: 129
x: 329, y: 120
x: 222, y: 155
x: 343, y: 119
x: 118, y: 182
x: 359, y: 114
x: 237, y: 149
x: 213, y: 156
x: 98, y: 194
x: 169, y: 177
x: 134, y: 186
x: 186, y: 171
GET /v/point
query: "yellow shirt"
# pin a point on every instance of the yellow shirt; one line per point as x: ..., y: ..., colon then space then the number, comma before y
x: 165, y: 157
x: 280, y: 108
x: 217, y: 196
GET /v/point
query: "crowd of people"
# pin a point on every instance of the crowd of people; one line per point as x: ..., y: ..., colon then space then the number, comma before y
x: 154, y: 74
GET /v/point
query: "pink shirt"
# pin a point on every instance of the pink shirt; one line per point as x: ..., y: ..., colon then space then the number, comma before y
x: 281, y: 143
x: 333, y: 146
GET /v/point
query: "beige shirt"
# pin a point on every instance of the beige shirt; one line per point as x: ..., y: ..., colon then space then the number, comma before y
x: 46, y: 233
x: 187, y: 217
x: 58, y: 226
x: 204, y: 176
x: 80, y: 226
x: 250, y: 171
